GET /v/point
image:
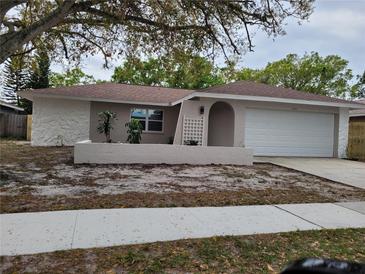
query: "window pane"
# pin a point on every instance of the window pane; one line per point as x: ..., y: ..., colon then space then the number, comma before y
x: 154, y: 126
x: 154, y: 114
x: 138, y: 113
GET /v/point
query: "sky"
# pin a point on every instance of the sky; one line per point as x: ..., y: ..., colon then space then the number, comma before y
x: 335, y: 27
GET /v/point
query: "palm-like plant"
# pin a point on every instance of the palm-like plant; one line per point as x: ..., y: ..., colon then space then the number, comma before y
x: 134, y: 131
x: 105, y: 123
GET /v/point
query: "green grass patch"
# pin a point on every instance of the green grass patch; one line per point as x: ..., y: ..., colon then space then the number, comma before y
x: 267, y: 253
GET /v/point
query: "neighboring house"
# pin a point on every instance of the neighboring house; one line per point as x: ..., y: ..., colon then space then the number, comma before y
x: 10, y: 108
x: 273, y: 121
x: 358, y: 114
x: 13, y: 121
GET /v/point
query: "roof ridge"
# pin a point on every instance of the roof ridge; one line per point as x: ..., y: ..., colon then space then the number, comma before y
x: 177, y: 88
x: 116, y: 84
x: 304, y: 93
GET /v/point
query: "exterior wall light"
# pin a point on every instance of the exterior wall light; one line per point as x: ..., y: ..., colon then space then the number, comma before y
x: 201, y: 110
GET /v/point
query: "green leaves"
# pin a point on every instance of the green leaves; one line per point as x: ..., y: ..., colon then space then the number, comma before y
x: 71, y: 77
x: 134, y: 131
x: 178, y: 71
x: 311, y: 73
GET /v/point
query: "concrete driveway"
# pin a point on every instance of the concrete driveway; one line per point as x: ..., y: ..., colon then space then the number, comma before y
x: 338, y: 170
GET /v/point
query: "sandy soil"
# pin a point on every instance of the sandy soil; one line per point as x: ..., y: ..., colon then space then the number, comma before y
x: 48, y: 174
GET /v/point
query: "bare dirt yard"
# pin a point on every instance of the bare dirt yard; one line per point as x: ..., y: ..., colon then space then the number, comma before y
x: 45, y: 178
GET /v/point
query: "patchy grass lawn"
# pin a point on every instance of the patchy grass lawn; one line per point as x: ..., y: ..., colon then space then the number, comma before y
x: 244, y: 254
x: 45, y: 178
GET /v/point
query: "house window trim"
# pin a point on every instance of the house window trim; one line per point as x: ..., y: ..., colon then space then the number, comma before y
x: 147, y: 120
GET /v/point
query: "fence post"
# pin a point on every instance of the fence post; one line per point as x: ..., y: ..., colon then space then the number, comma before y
x: 29, y: 127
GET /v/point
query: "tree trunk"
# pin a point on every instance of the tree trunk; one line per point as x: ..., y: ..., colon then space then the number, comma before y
x: 108, y: 139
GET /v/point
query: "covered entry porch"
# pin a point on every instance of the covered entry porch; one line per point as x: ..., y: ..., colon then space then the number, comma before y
x: 269, y: 128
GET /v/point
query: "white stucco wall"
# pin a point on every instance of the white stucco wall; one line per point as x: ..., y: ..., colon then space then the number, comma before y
x: 118, y: 153
x: 59, y: 122
x: 343, y: 131
x: 191, y: 108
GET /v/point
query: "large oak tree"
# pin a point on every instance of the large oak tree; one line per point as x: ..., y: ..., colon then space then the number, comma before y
x: 110, y: 27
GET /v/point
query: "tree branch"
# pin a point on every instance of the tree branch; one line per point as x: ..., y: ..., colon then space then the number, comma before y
x: 19, y: 38
x: 7, y: 5
x: 117, y: 19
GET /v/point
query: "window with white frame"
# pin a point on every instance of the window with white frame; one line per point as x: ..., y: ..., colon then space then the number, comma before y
x: 150, y: 119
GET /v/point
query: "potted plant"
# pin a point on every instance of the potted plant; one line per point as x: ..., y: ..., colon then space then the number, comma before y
x: 191, y: 143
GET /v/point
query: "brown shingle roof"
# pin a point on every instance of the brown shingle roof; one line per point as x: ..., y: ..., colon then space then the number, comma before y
x: 166, y: 96
x: 257, y: 89
x: 118, y: 92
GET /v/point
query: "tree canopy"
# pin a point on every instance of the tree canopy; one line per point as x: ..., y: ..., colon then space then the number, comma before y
x: 77, y: 27
x: 71, y: 77
x: 361, y: 85
x: 182, y: 71
x: 40, y: 71
x: 312, y: 73
x: 15, y: 78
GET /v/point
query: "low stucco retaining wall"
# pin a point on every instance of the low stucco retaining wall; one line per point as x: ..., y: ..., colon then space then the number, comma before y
x: 104, y: 153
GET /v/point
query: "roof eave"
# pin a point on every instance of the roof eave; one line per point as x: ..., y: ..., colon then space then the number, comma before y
x: 11, y: 106
x: 31, y: 97
x: 269, y: 99
x: 357, y: 114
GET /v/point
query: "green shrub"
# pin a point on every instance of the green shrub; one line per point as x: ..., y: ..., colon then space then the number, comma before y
x: 134, y: 131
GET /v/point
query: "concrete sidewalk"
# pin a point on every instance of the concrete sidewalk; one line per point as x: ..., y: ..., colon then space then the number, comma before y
x: 28, y: 233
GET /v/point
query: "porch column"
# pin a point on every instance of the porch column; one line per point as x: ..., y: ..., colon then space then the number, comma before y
x: 239, y: 124
x: 343, y: 128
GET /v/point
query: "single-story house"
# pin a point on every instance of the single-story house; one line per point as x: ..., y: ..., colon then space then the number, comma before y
x: 273, y: 121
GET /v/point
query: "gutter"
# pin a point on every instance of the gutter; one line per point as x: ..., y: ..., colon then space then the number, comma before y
x: 27, y: 95
x: 270, y: 99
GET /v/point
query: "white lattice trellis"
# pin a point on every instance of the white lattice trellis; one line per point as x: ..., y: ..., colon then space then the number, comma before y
x: 193, y: 130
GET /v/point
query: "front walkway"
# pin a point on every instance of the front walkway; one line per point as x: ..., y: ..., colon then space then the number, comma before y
x: 338, y: 170
x: 28, y: 233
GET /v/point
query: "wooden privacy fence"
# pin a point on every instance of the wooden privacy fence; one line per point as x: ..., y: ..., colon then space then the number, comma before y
x: 13, y: 125
x: 356, y: 145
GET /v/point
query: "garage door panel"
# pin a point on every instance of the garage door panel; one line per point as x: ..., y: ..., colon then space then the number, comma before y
x: 302, y: 125
x: 321, y: 133
x: 289, y: 151
x: 283, y: 143
x: 289, y: 133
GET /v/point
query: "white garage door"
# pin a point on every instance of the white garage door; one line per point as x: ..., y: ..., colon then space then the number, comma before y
x: 289, y: 133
